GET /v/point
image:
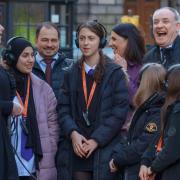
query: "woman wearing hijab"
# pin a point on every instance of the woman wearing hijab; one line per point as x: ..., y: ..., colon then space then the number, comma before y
x: 34, y: 133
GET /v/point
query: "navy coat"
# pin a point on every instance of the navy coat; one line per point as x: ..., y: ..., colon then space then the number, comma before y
x: 111, y: 114
x: 145, y: 125
x: 167, y: 163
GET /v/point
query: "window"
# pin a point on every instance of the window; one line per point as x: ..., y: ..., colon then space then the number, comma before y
x: 106, y: 1
x: 25, y: 18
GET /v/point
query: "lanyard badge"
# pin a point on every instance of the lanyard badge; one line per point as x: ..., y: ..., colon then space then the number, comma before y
x: 88, y: 100
x: 25, y: 106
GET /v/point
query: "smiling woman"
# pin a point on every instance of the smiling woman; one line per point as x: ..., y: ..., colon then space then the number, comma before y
x: 29, y: 141
x: 128, y: 45
x: 26, y: 61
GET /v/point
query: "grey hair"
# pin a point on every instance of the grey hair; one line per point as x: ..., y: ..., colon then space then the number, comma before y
x: 173, y: 10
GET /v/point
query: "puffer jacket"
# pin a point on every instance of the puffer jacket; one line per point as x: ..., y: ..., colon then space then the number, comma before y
x: 110, y: 116
x: 144, y: 127
x: 45, y: 105
x: 166, y: 163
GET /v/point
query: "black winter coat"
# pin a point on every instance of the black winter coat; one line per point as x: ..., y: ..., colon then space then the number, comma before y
x: 173, y: 54
x: 57, y: 72
x: 8, y: 169
x: 145, y: 125
x: 111, y: 114
x: 166, y: 164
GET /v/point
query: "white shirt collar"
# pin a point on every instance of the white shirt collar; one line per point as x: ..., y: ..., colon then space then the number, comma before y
x: 169, y: 46
x: 40, y: 58
x: 87, y: 67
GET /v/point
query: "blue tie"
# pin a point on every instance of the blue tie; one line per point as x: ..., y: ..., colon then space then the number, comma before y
x: 26, y: 153
x: 91, y: 72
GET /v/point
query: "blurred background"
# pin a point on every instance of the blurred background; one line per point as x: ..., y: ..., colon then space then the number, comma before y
x: 20, y: 17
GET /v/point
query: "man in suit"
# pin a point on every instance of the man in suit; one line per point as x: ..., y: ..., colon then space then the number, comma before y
x: 49, y: 62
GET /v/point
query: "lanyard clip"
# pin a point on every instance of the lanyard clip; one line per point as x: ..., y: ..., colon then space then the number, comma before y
x: 85, y: 116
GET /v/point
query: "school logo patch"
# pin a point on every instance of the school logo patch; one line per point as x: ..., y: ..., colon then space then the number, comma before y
x: 151, y: 127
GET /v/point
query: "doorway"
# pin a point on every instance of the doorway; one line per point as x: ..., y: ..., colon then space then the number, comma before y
x: 144, y: 9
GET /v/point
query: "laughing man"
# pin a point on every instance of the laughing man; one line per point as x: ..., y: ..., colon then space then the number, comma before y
x: 166, y: 26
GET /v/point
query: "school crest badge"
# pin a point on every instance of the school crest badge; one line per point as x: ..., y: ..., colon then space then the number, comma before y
x: 151, y: 127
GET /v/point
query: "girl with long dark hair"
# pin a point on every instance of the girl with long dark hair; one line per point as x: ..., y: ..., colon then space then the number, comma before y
x: 92, y: 108
x: 129, y: 48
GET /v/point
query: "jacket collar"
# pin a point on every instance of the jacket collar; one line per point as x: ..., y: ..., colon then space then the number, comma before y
x: 36, y: 81
x: 60, y: 59
x: 173, y: 45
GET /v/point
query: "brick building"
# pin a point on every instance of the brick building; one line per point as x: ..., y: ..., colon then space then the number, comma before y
x: 20, y: 17
x: 109, y: 12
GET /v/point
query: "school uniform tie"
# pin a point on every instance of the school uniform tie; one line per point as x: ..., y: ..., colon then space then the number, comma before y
x: 26, y: 153
x: 48, y: 71
x: 91, y: 72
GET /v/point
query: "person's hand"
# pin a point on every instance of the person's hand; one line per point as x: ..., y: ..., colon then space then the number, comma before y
x: 17, y: 109
x: 112, y: 166
x: 77, y: 143
x: 151, y: 174
x: 149, y: 171
x: 120, y: 61
x: 152, y: 177
x: 89, y: 146
x: 143, y: 173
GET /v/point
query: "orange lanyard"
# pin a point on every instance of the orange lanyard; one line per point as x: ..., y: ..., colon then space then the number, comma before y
x: 88, y: 100
x: 160, y: 144
x: 25, y: 105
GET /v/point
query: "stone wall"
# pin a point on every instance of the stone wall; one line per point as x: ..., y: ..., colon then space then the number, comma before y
x: 108, y: 12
